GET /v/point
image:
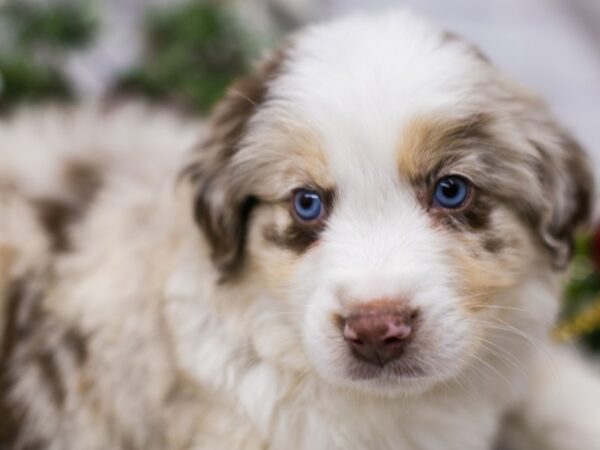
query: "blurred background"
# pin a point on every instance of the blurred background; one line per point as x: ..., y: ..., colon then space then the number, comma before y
x: 184, y: 53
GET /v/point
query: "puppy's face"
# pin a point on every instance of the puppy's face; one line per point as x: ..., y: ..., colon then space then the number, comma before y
x: 393, y: 195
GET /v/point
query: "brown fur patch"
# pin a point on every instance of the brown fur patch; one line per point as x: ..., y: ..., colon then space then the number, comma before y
x: 561, y: 227
x: 77, y: 344
x: 50, y: 373
x: 222, y: 210
x: 493, y: 244
x: 12, y: 415
x: 475, y: 217
x: 83, y: 178
x: 13, y: 304
x: 296, y: 237
x: 57, y: 215
x: 32, y: 340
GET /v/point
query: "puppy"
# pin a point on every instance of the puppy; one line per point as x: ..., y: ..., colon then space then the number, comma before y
x: 364, y: 252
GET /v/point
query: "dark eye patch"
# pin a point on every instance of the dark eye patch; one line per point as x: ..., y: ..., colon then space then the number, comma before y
x: 295, y: 237
x: 299, y: 235
x: 474, y: 218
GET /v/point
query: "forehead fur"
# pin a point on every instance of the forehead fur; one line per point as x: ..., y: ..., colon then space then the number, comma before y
x: 281, y: 156
x: 359, y: 80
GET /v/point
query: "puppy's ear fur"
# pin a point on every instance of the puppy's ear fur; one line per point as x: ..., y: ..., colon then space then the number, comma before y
x: 565, y: 180
x: 222, y: 206
x: 566, y: 176
x: 566, y: 183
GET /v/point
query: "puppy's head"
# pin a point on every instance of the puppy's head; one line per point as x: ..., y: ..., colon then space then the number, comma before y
x: 393, y: 194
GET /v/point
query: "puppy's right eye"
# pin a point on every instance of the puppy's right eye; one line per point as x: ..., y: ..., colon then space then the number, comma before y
x: 451, y: 192
x: 308, y: 205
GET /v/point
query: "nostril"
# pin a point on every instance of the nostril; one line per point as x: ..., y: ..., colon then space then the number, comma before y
x: 392, y: 341
x: 396, y: 331
x: 352, y: 336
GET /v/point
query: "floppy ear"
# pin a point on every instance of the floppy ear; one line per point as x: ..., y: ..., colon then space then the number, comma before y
x: 564, y: 198
x: 222, y: 205
x: 566, y: 177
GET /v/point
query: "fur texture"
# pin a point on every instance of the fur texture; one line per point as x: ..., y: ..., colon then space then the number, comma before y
x: 153, y: 297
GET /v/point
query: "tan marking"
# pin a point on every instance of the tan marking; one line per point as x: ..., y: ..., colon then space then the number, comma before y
x: 426, y: 140
x: 271, y: 267
x: 482, y: 274
x: 307, y: 153
x: 285, y: 157
x: 8, y: 255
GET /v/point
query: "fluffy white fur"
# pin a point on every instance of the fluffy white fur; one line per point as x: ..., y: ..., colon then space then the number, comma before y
x: 178, y: 359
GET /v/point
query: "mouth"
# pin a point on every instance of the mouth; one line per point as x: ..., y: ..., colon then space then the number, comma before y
x: 397, y: 370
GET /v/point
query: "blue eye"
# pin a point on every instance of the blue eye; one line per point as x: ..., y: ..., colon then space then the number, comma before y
x: 451, y: 192
x: 308, y: 205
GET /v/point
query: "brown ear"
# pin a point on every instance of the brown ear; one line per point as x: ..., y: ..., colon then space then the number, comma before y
x: 566, y: 175
x: 222, y: 204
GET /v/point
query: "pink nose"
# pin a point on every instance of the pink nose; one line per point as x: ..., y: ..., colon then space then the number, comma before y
x: 378, y: 332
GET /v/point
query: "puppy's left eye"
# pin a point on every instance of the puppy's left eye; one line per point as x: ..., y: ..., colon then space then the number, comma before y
x: 451, y: 192
x: 308, y: 205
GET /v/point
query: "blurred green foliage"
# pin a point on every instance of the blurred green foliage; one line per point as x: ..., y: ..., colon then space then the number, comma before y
x: 38, y: 35
x: 193, y: 52
x: 582, y: 292
x: 22, y: 81
x: 64, y: 24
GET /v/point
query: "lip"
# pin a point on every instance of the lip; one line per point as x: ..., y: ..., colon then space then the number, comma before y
x: 398, y: 370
